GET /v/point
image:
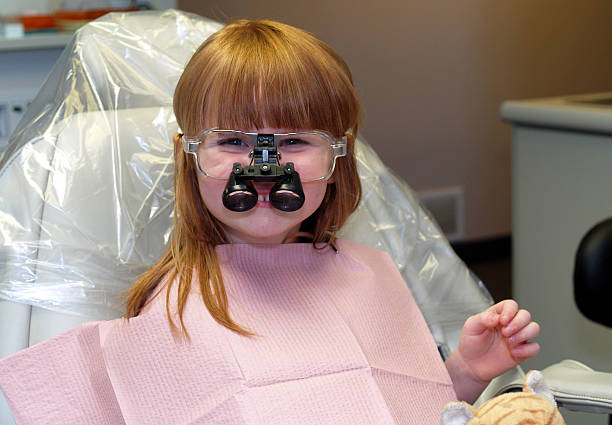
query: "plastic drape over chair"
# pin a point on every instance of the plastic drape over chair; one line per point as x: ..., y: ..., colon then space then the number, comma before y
x: 86, y: 183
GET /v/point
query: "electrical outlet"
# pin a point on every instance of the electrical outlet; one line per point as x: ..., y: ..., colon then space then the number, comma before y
x: 12, y: 109
x: 446, y: 205
x: 4, y: 125
x: 16, y: 110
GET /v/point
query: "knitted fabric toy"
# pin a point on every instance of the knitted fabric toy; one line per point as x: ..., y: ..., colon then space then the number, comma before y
x: 534, y: 406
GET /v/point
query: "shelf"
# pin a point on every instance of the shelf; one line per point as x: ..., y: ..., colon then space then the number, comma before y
x: 35, y: 42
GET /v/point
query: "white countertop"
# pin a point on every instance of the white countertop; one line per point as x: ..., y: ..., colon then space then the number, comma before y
x: 590, y: 112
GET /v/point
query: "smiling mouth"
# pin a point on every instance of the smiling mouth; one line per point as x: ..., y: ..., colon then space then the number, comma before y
x: 263, y: 201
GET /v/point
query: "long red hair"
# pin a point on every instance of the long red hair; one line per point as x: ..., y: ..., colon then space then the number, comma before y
x: 248, y: 75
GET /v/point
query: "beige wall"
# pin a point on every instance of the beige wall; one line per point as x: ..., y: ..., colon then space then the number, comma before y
x: 432, y: 74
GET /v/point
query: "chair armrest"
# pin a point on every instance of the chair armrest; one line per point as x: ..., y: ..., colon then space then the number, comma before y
x: 575, y: 386
x: 578, y: 387
x: 509, y: 381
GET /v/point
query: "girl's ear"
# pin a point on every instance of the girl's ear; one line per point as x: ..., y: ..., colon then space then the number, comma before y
x: 457, y: 413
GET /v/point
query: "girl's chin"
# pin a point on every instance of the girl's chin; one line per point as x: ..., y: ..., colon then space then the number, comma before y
x: 261, y: 232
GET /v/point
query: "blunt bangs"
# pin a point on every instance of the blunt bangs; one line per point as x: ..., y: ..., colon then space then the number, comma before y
x: 256, y: 74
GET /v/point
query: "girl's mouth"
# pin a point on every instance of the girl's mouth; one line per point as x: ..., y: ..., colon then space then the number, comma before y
x: 263, y: 201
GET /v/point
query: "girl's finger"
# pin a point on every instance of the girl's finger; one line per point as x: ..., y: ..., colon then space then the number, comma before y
x: 476, y: 325
x: 518, y: 322
x: 525, y: 351
x: 530, y: 331
x: 507, y: 310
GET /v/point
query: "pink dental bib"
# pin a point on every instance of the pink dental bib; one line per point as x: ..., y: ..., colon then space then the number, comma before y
x: 339, y: 340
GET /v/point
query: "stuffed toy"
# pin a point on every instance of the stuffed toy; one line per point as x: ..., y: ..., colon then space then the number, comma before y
x: 535, y: 405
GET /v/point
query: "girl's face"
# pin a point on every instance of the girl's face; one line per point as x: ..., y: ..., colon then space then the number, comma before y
x: 263, y: 223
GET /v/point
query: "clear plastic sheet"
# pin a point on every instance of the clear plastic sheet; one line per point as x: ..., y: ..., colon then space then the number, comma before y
x: 86, y: 182
x: 391, y: 219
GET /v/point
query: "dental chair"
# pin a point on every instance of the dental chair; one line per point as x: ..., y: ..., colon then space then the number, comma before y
x: 593, y: 273
x: 86, y: 197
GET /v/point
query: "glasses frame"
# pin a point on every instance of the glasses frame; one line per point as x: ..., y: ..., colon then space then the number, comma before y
x: 338, y: 146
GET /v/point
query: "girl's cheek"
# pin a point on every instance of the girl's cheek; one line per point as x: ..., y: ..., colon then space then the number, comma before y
x: 211, y: 192
x: 314, y: 192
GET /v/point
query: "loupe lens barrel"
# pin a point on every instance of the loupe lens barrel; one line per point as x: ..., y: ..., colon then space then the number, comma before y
x: 239, y: 195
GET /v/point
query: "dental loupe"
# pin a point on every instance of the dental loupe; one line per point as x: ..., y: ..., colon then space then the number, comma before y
x: 286, y: 195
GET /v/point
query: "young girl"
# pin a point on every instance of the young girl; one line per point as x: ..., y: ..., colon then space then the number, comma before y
x: 257, y: 313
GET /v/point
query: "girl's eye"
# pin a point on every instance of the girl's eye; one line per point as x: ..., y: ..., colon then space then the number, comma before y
x: 232, y: 142
x: 293, y: 142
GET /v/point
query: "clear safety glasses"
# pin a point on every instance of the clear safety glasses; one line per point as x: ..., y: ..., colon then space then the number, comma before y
x: 313, y: 153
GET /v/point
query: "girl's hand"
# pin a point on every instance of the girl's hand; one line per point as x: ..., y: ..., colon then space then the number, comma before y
x: 491, y: 343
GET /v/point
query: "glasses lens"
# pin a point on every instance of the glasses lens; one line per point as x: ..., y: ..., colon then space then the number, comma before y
x: 311, y: 154
x: 219, y: 150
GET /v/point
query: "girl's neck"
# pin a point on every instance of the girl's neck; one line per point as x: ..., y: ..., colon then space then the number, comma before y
x: 292, y: 236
